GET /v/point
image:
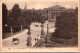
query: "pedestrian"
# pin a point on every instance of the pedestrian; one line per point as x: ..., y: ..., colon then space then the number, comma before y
x: 35, y: 39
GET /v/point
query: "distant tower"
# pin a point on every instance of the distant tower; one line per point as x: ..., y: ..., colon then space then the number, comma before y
x: 57, y: 3
x: 25, y: 8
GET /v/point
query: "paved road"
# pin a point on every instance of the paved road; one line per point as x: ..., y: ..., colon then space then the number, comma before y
x: 22, y: 37
x: 35, y: 33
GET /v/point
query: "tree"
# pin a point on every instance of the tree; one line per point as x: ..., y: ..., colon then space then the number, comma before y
x: 16, y: 11
x: 66, y: 26
x: 14, y: 18
x: 4, y: 16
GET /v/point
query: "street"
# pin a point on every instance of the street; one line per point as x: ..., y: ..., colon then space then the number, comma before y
x: 35, y: 33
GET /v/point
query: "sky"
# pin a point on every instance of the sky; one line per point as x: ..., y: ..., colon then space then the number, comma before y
x: 42, y: 5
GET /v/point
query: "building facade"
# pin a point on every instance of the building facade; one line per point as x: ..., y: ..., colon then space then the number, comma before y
x: 52, y: 12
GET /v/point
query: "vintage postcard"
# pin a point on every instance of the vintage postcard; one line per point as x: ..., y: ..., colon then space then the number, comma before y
x: 39, y: 25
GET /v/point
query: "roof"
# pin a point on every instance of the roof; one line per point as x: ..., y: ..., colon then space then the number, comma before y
x: 56, y: 7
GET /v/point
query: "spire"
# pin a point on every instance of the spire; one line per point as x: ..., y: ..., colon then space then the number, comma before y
x: 25, y: 7
x: 57, y: 3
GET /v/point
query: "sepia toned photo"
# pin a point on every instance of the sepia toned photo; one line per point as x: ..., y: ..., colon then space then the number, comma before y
x: 39, y: 25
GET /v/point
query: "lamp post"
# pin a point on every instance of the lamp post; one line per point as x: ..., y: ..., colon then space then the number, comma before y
x: 11, y: 31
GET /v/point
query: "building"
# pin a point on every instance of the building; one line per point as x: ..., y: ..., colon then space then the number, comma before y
x: 51, y: 12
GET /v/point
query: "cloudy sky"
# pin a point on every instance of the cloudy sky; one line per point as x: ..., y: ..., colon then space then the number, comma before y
x: 43, y: 4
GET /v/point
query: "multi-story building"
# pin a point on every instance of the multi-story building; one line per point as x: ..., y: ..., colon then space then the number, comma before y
x: 52, y: 12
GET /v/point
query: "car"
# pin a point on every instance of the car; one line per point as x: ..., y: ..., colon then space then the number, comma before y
x: 15, y: 41
x: 37, y: 25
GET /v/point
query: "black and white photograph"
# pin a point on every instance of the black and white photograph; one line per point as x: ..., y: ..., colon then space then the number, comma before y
x: 39, y: 24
